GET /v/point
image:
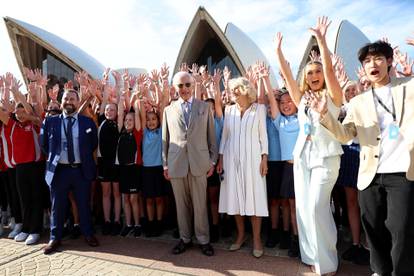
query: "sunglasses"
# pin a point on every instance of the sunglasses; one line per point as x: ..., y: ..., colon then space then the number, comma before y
x: 181, y: 85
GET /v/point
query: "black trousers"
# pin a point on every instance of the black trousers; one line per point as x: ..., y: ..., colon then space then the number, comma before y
x: 13, y: 195
x: 387, y: 213
x: 30, y: 181
x: 3, y: 194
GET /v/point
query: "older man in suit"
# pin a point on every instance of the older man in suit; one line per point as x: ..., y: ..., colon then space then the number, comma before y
x: 69, y: 141
x: 189, y: 155
x: 382, y: 118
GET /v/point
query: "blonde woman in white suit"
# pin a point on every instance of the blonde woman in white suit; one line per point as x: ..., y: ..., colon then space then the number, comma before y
x: 316, y: 156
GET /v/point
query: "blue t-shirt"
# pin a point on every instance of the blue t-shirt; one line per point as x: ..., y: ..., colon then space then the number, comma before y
x: 273, y: 140
x: 152, y: 147
x: 218, y: 127
x: 288, y: 127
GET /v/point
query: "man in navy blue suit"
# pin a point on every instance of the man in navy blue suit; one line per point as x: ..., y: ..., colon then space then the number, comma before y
x: 69, y: 141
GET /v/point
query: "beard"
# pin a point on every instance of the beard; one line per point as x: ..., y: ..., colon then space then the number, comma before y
x: 69, y: 108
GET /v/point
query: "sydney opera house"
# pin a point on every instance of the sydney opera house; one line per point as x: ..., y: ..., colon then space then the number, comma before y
x: 204, y: 43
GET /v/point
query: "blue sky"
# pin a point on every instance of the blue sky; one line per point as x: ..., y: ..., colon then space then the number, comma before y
x: 131, y: 33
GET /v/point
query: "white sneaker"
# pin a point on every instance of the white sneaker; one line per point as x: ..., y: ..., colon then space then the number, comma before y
x: 22, y: 236
x: 32, y: 239
x: 16, y: 230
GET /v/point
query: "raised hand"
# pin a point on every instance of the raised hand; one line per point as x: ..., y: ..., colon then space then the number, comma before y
x: 405, y: 62
x: 317, y: 102
x: 315, y: 57
x: 68, y: 85
x: 117, y: 77
x: 263, y: 70
x: 217, y: 77
x: 194, y: 69
x: 184, y: 67
x: 53, y: 92
x: 164, y: 71
x: 226, y: 74
x: 278, y: 40
x: 154, y: 76
x: 29, y: 74
x: 321, y: 27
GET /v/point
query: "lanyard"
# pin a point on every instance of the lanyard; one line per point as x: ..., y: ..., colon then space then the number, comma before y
x: 394, y: 117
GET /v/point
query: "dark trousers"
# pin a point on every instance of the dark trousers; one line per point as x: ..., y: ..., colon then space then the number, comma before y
x: 65, y: 179
x: 3, y: 194
x: 387, y: 213
x: 29, y: 181
x: 13, y: 195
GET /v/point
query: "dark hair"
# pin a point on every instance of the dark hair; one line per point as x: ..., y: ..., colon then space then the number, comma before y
x: 74, y: 92
x: 377, y: 48
x: 209, y: 100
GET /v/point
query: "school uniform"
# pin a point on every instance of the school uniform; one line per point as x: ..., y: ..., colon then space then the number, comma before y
x: 27, y: 158
x: 288, y: 128
x: 108, y: 136
x: 129, y: 158
x: 274, y: 163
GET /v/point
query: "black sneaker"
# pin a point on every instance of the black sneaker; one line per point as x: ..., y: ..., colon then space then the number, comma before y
x: 214, y: 233
x: 106, y: 228
x: 116, y: 229
x: 75, y: 233
x: 127, y: 229
x: 362, y: 256
x: 284, y: 240
x: 149, y: 229
x: 157, y: 228
x: 351, y: 253
x: 294, y: 251
x: 137, y: 231
x: 273, y: 238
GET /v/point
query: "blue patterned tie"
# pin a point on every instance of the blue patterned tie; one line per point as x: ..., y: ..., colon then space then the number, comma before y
x: 186, y: 112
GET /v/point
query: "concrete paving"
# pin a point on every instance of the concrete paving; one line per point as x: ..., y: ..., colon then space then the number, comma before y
x: 141, y: 256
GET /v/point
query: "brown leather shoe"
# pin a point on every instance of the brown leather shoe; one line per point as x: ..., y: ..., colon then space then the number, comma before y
x: 51, y: 247
x: 92, y: 241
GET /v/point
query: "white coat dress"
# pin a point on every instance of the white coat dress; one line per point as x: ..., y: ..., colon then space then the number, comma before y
x: 244, y: 140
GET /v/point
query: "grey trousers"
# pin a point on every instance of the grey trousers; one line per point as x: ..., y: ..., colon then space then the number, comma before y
x: 191, y: 200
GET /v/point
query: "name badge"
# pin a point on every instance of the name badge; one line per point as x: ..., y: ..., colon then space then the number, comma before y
x: 307, y: 128
x: 393, y: 131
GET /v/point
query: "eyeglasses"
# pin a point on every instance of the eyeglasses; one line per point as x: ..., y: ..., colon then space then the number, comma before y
x: 181, y: 85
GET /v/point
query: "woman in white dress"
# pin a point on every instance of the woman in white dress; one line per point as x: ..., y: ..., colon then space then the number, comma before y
x: 243, y: 156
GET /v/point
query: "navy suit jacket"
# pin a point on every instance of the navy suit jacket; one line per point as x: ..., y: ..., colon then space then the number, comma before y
x: 50, y: 142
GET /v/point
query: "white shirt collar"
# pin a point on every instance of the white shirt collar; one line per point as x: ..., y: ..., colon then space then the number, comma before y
x: 190, y: 100
x: 74, y: 115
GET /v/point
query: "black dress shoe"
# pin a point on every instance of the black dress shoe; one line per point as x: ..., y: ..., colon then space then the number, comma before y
x: 207, y: 249
x: 181, y: 247
x: 75, y: 233
x: 51, y: 247
x: 92, y: 241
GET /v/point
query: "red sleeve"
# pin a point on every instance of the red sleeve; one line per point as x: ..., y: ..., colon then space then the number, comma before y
x: 138, y: 139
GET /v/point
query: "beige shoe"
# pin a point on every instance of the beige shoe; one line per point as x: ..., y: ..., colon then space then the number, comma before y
x: 257, y: 253
x: 236, y: 246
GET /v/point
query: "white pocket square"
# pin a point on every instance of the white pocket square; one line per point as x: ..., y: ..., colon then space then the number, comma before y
x: 88, y: 130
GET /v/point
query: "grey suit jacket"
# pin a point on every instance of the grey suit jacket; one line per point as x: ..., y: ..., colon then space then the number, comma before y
x: 193, y: 148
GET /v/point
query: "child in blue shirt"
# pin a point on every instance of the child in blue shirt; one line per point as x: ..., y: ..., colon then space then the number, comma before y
x: 154, y: 186
x: 288, y: 126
